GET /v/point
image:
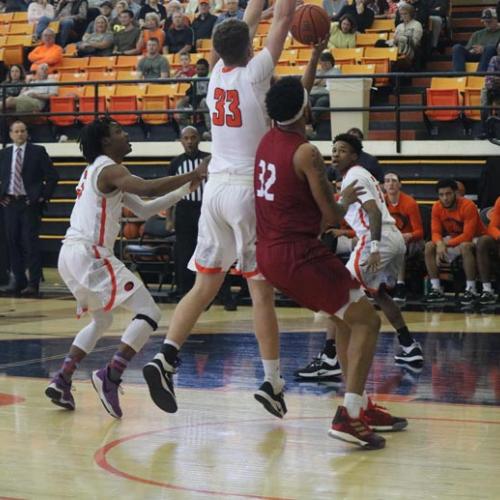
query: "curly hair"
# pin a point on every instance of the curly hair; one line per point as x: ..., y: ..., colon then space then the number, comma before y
x: 91, y: 138
x: 285, y: 98
x: 231, y: 40
x: 352, y: 140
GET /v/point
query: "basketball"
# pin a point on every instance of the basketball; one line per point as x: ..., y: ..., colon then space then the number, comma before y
x: 127, y: 213
x: 131, y: 230
x: 310, y: 24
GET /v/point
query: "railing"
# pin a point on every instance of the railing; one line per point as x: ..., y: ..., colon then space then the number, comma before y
x: 395, y: 78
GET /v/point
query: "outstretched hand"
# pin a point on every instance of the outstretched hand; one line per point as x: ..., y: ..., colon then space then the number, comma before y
x: 351, y: 193
x: 201, y: 172
x: 320, y: 46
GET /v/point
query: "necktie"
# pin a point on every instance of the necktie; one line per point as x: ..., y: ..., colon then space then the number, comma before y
x: 17, y: 186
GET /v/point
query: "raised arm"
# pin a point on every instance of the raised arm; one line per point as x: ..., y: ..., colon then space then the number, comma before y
x: 310, y: 73
x: 252, y: 15
x: 280, y: 26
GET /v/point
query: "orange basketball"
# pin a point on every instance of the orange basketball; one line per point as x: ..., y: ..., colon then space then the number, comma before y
x: 130, y: 230
x: 127, y: 213
x: 310, y: 24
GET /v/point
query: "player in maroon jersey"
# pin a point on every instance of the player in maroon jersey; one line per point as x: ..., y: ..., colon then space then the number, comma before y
x: 294, y: 203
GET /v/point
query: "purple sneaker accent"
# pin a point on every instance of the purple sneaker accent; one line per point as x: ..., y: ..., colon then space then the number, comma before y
x: 59, y: 392
x: 108, y: 391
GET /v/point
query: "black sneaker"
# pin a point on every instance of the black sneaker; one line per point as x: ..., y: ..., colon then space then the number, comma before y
x: 159, y: 374
x: 488, y: 298
x: 412, y: 354
x: 435, y: 296
x: 399, y: 294
x: 273, y: 403
x: 320, y: 368
x: 469, y: 298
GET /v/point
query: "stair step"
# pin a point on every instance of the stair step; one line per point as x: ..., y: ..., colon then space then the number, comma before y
x: 421, y: 82
x: 461, y: 37
x: 406, y: 116
x: 390, y: 135
x: 467, y: 22
x: 407, y: 99
x: 439, y: 66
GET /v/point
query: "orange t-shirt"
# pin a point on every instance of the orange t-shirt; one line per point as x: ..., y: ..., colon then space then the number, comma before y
x: 52, y: 56
x: 462, y: 224
x: 407, y: 216
x: 494, y: 225
x: 147, y: 34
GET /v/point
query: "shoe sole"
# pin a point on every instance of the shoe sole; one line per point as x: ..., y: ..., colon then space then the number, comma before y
x: 399, y: 426
x: 417, y: 358
x: 349, y: 438
x: 326, y: 375
x: 154, y: 380
x: 55, y: 397
x: 97, y: 384
x: 269, y: 404
x: 409, y: 367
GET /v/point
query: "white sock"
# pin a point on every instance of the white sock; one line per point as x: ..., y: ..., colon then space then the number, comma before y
x: 171, y: 342
x: 401, y: 282
x: 487, y: 287
x: 272, y: 374
x: 436, y: 284
x: 470, y: 286
x: 353, y: 404
x: 365, y: 400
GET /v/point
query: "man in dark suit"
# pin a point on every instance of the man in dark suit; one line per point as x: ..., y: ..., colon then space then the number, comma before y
x: 27, y: 181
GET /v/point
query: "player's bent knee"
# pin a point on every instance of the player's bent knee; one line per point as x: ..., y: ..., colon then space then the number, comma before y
x: 430, y: 247
x: 485, y: 242
x: 467, y: 247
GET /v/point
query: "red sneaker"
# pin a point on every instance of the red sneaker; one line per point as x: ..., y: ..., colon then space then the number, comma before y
x: 380, y: 420
x: 354, y: 430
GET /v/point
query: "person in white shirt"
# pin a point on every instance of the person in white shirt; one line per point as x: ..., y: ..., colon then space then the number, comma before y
x: 97, y: 279
x: 227, y: 232
x: 380, y: 251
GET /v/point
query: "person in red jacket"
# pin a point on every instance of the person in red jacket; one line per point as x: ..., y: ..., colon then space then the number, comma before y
x: 487, y: 246
x: 404, y: 209
x: 455, y: 227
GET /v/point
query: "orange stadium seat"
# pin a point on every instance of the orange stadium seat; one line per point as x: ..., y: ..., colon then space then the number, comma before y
x: 443, y: 97
x: 20, y: 17
x: 303, y: 56
x: 472, y: 97
x: 353, y: 55
x: 75, y: 63
x: 6, y: 17
x: 390, y: 53
x: 62, y: 105
x: 87, y: 105
x: 73, y: 77
x: 98, y: 75
x: 126, y: 74
x: 123, y: 103
x: 381, y: 25
x: 21, y: 29
x: 24, y: 40
x: 155, y: 103
x: 168, y: 89
x: 367, y: 39
x: 126, y: 62
x: 382, y: 65
x: 102, y: 62
x: 71, y: 91
x: 358, y: 69
x: 12, y: 55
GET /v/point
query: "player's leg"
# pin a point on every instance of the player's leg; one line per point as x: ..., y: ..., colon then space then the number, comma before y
x: 467, y: 250
x: 485, y: 248
x: 270, y: 393
x: 400, y: 290
x: 159, y: 372
x: 326, y: 364
x: 435, y: 294
x: 146, y: 315
x: 59, y: 389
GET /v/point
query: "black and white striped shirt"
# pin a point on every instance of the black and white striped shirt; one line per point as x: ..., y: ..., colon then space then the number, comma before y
x: 183, y: 164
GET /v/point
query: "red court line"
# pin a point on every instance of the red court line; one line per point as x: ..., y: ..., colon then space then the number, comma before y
x: 10, y: 399
x: 101, y: 459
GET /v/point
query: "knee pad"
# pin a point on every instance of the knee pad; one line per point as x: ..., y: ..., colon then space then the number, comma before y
x: 143, y: 324
x: 151, y: 322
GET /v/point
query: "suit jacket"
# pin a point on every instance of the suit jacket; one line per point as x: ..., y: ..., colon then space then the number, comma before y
x: 39, y: 175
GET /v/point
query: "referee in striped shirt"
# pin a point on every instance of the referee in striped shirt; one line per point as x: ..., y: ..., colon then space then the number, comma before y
x: 187, y: 211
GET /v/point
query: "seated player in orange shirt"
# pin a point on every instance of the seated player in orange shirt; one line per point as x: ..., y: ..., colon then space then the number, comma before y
x: 487, y: 246
x: 404, y: 209
x: 455, y: 226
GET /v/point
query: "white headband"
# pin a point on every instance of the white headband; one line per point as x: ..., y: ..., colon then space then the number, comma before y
x: 299, y: 113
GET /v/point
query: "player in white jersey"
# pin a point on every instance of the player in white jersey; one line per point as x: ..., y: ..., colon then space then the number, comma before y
x: 236, y: 94
x: 379, y: 253
x: 98, y: 280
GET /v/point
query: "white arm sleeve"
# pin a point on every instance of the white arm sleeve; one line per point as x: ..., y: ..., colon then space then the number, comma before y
x: 146, y: 209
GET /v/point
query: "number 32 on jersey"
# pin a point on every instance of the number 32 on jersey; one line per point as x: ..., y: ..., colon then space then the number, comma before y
x: 267, y: 177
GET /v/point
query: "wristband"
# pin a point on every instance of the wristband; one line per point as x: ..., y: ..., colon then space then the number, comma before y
x: 374, y: 246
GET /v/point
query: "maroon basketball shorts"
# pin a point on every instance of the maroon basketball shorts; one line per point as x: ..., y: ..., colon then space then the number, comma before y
x: 308, y: 273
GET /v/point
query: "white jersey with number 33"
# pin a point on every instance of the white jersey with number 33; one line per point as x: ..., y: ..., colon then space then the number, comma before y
x: 239, y: 120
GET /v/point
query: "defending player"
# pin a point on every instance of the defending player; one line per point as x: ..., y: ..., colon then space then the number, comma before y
x: 236, y: 94
x: 378, y: 256
x: 97, y: 279
x: 294, y: 201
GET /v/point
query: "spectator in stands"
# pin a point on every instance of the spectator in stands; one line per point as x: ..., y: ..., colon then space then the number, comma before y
x: 179, y: 37
x: 16, y: 75
x: 195, y: 98
x: 186, y: 69
x: 455, y: 226
x: 106, y: 10
x: 333, y: 7
x: 365, y: 159
x: 38, y: 9
x: 319, y: 95
x: 438, y: 12
x: 204, y: 23
x: 32, y: 99
x: 72, y: 17
x: 130, y: 5
x: 151, y: 29
x: 154, y: 7
x: 488, y: 249
x: 99, y: 43
x: 404, y: 209
x: 407, y: 37
x: 48, y: 52
x: 481, y: 45
x: 490, y: 93
x: 27, y: 182
x: 125, y: 41
x: 343, y: 34
x: 153, y: 64
x: 421, y: 12
x: 362, y: 16
x: 233, y: 11
x: 173, y: 7
x: 120, y: 7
